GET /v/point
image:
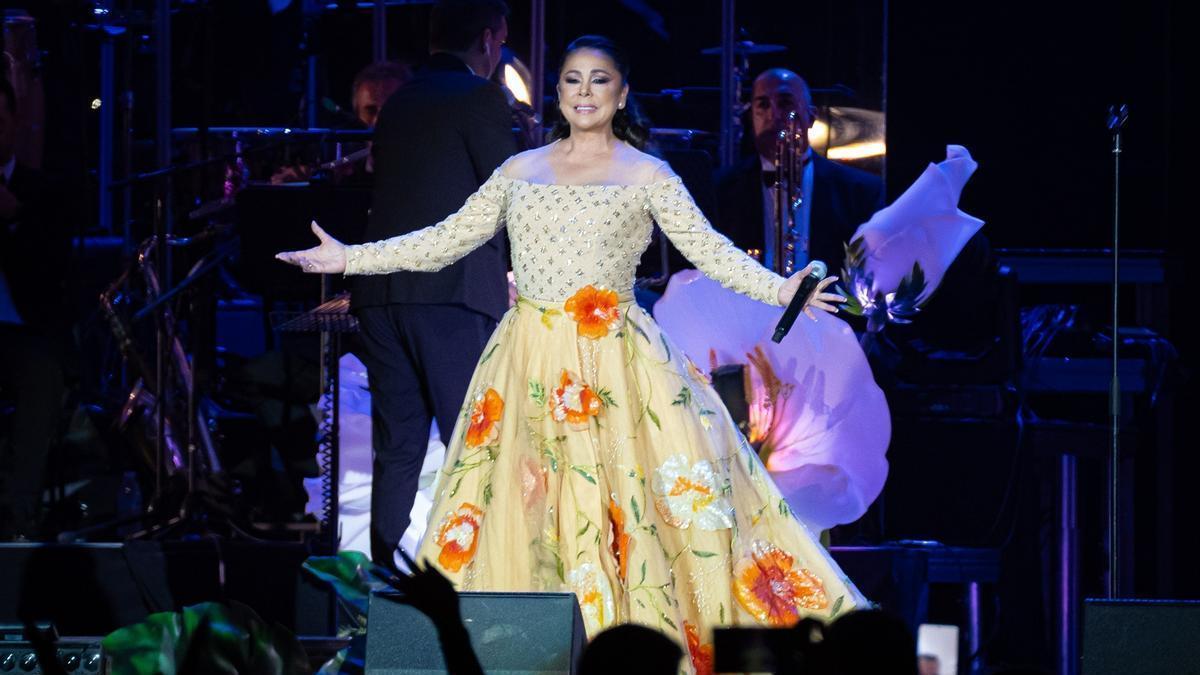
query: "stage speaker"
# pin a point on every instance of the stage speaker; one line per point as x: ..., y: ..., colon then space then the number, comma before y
x: 512, y: 633
x: 1141, y: 636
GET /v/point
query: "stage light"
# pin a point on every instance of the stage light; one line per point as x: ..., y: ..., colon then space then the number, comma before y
x: 96, y: 104
x: 516, y: 84
x: 818, y: 135
x: 858, y: 150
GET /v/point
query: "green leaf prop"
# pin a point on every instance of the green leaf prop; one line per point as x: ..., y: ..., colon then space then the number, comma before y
x: 205, y: 638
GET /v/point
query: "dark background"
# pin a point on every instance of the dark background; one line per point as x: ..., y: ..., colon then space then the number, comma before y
x: 1025, y: 86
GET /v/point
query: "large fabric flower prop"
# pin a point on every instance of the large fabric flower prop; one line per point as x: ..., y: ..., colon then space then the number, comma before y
x: 768, y: 584
x: 595, y: 311
x: 574, y: 402
x: 458, y: 536
x: 897, y: 259
x: 486, y: 411
x: 817, y: 417
x: 595, y: 596
x: 688, y: 495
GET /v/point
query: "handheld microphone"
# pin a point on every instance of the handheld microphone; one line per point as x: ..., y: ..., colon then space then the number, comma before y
x: 793, y: 309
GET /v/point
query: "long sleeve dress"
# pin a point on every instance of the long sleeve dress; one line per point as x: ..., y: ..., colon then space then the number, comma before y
x: 591, y: 455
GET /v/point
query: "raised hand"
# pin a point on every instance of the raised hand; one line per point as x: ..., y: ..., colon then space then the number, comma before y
x: 819, y: 298
x: 327, y: 258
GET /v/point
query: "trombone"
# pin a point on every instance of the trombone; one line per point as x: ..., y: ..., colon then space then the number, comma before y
x: 786, y: 193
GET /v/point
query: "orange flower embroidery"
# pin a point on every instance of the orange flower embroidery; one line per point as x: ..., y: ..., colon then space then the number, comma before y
x: 772, y: 589
x: 459, y: 536
x: 485, y: 419
x: 574, y: 402
x: 595, y: 310
x: 620, y: 539
x: 702, y: 655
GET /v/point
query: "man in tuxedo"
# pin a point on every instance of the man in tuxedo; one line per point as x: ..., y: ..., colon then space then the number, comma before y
x: 438, y: 139
x: 34, y: 327
x: 836, y: 198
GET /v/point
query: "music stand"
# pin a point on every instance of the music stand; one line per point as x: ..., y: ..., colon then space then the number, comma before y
x: 331, y: 319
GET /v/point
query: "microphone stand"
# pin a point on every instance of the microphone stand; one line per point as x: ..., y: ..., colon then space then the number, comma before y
x: 1117, y: 116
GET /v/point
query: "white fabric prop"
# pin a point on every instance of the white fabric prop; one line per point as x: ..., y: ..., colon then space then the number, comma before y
x: 923, y: 225
x: 354, y: 468
x: 827, y: 425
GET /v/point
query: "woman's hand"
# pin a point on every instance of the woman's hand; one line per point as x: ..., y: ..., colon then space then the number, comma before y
x: 819, y: 298
x: 328, y: 258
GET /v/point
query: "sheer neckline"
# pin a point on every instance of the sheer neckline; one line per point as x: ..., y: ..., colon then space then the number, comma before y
x: 589, y: 185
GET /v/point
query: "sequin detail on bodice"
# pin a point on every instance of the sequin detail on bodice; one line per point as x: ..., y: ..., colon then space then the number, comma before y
x: 565, y: 237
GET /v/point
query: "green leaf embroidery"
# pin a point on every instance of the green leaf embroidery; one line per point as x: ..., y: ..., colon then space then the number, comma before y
x: 637, y: 512
x: 783, y: 508
x: 837, y: 606
x: 684, y: 397
x: 585, y: 474
x: 537, y: 393
x: 703, y: 554
x: 669, y: 622
x: 666, y: 347
x: 487, y: 494
x: 640, y: 331
x: 606, y: 398
x: 722, y: 613
x: 549, y: 454
x: 547, y: 315
x: 654, y: 417
x: 489, y: 353
x: 643, y: 579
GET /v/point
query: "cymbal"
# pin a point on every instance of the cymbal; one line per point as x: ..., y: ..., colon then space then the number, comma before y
x: 745, y: 48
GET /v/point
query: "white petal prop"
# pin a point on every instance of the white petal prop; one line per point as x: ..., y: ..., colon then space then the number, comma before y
x: 924, y: 225
x: 354, y: 467
x: 826, y: 427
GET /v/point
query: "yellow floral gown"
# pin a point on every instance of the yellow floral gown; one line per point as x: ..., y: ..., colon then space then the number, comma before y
x: 591, y: 454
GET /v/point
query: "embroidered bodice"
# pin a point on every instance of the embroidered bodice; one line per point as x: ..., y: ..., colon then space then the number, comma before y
x: 565, y: 237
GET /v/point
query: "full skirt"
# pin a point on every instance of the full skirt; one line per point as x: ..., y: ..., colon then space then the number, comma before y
x: 593, y: 456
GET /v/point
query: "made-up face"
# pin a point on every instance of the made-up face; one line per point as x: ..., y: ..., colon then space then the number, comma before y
x: 590, y: 90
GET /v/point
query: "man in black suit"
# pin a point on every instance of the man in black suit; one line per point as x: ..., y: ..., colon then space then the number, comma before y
x: 438, y: 139
x: 34, y: 326
x: 836, y: 198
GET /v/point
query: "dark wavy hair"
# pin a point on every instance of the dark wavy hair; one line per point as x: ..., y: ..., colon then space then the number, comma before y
x: 628, y: 123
